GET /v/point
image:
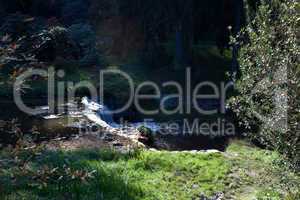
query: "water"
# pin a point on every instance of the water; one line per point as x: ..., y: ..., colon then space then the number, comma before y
x: 48, y: 126
x: 58, y: 125
x: 101, y: 115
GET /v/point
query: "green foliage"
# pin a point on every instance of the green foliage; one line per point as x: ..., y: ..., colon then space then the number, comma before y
x: 269, y: 195
x: 267, y: 105
x: 33, y: 172
x: 259, y: 174
x: 293, y: 196
x: 105, y: 174
x: 145, y: 131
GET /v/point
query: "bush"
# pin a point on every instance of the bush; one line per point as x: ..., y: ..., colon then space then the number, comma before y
x: 267, y: 105
x: 147, y: 133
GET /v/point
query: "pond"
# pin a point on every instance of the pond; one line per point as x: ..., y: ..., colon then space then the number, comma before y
x: 84, y: 112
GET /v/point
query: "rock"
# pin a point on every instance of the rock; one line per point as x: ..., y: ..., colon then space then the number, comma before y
x: 153, y: 149
x: 108, y: 137
x: 144, y: 140
x: 117, y: 144
x: 218, y: 196
x: 210, y: 151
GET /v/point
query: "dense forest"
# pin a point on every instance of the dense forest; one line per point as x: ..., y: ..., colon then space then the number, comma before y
x: 151, y: 24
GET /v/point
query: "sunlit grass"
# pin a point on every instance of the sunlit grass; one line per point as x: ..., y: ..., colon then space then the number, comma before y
x: 242, y: 172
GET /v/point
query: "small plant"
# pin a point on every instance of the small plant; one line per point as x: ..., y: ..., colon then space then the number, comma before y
x: 146, y: 135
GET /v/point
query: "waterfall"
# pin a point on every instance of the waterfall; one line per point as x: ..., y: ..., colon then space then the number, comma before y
x: 97, y: 113
x: 101, y: 115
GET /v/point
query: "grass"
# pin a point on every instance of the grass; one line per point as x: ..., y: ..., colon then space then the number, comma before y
x: 260, y: 174
x: 242, y: 172
x: 138, y: 175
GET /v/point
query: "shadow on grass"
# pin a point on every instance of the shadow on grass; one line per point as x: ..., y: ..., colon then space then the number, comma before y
x: 61, y: 176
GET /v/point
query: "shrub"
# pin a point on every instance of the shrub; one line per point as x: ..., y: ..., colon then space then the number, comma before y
x: 147, y: 133
x: 267, y: 105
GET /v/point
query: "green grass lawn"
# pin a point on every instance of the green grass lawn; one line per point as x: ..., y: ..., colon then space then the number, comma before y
x: 242, y: 172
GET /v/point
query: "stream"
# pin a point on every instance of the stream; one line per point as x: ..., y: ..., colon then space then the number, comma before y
x: 75, y: 116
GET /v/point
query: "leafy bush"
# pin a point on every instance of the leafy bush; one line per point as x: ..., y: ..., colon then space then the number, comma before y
x: 267, y: 105
x: 146, y: 132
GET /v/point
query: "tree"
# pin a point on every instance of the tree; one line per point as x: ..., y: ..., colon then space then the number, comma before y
x: 267, y: 106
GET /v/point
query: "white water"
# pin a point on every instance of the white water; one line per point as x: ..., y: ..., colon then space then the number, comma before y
x: 102, y: 116
x: 98, y: 114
